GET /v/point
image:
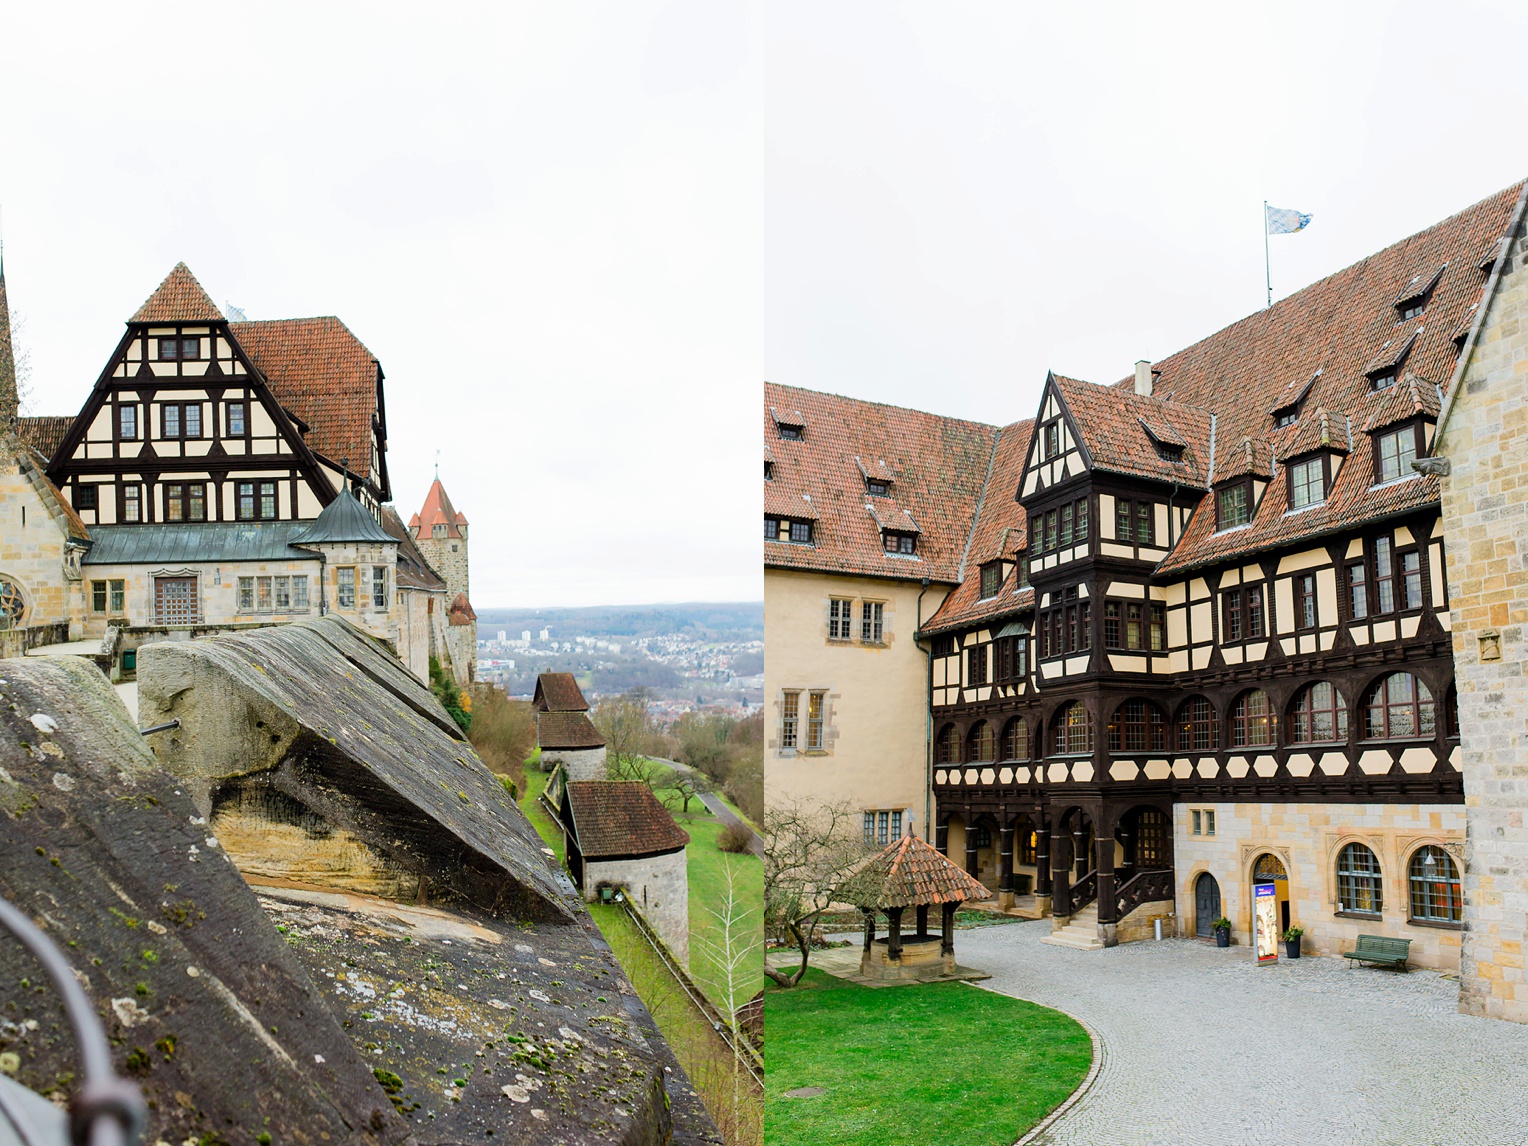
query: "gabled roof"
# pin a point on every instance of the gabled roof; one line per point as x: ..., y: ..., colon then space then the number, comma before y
x: 1252, y: 456
x: 33, y: 466
x: 1392, y: 354
x: 558, y: 692
x: 343, y: 520
x: 612, y: 819
x: 940, y: 466
x: 326, y: 377
x: 180, y: 298
x: 909, y: 873
x: 413, y: 571
x: 1113, y: 425
x: 1319, y: 429
x: 1417, y: 287
x: 1294, y: 393
x: 437, y: 510
x: 1408, y: 398
x: 460, y: 612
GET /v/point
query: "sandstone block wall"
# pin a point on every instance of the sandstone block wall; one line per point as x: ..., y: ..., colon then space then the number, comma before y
x: 1485, y: 519
x: 656, y: 884
x: 578, y: 764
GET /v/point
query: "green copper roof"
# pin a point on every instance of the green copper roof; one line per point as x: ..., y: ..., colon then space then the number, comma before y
x: 344, y: 520
x: 186, y: 543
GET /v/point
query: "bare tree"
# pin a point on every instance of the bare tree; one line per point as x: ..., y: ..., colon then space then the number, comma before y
x: 685, y: 786
x: 629, y: 738
x: 732, y: 951
x: 810, y: 849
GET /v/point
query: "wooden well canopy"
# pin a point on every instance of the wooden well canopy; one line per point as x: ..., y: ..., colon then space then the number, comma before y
x: 910, y: 873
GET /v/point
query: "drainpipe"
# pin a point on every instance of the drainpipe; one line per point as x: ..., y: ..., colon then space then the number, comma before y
x: 928, y: 727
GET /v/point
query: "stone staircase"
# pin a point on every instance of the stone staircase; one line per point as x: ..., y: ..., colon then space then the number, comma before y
x: 1080, y: 932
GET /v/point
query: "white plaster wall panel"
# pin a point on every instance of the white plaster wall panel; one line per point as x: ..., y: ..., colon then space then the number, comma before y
x: 1159, y: 769
x: 1127, y: 663
x: 1355, y: 548
x: 1232, y: 654
x: 1374, y: 762
x: 1082, y: 772
x: 1005, y: 776
x: 1237, y: 767
x: 1326, y: 596
x: 1126, y: 589
x: 1328, y: 638
x: 1181, y: 770
x: 1161, y: 520
x: 1409, y: 626
x: 1384, y: 630
x: 1306, y: 559
x: 1124, y: 770
x: 1230, y: 579
x: 1418, y: 760
x: 1333, y: 763
x: 1207, y: 769
x: 1300, y: 765
x: 1202, y: 656
x: 1056, y: 773
x: 1106, y: 514
x: 1198, y: 589
x: 1021, y: 775
x: 1113, y: 549
x: 1177, y: 660
x: 1265, y: 766
x: 941, y: 777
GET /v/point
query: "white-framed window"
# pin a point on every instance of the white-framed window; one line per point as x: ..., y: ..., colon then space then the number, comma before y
x: 839, y: 613
x: 1307, y: 483
x: 881, y: 828
x: 379, y: 586
x: 871, y: 618
x: 344, y: 586
x: 1202, y: 821
x: 790, y: 719
x: 1394, y: 453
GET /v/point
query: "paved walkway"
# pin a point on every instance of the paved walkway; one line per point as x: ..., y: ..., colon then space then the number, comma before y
x: 1199, y: 1046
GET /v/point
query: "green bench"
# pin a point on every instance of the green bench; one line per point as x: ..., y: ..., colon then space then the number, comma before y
x: 1380, y: 949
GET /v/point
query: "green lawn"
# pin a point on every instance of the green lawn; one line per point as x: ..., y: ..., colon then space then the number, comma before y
x: 535, y: 783
x: 707, y: 871
x: 942, y: 1064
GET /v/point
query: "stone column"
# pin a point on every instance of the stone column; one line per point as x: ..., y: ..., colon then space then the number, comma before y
x: 922, y: 921
x: 1005, y: 869
x: 869, y: 929
x: 1107, y: 912
x: 942, y: 838
x: 1061, y: 877
x: 970, y: 846
x: 947, y: 931
x: 1042, y: 859
x: 894, y: 935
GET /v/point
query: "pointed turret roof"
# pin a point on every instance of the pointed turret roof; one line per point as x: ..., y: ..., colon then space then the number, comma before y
x: 9, y: 398
x: 344, y: 520
x: 437, y: 510
x: 180, y: 298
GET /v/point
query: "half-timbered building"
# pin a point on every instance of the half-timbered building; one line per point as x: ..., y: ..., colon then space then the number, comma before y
x: 1202, y: 632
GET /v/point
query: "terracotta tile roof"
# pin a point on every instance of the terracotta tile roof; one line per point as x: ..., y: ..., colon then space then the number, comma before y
x: 1250, y: 456
x: 461, y: 612
x: 1110, y: 420
x: 781, y: 502
x: 567, y: 730
x: 44, y: 432
x: 326, y: 377
x: 1294, y: 393
x: 1417, y: 286
x: 613, y: 818
x: 1001, y: 531
x: 939, y: 467
x: 909, y: 873
x: 1406, y: 399
x: 1392, y: 354
x: 1318, y: 429
x: 558, y: 692
x: 1339, y: 325
x: 414, y: 571
x: 180, y: 298
x: 437, y: 510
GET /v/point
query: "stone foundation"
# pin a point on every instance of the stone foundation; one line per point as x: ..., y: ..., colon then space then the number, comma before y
x: 920, y: 960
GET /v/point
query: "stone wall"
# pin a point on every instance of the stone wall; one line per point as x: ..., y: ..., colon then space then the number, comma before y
x: 656, y: 884
x: 448, y: 557
x: 578, y: 763
x: 1484, y: 436
x: 1306, y: 838
x: 31, y: 554
x: 1141, y: 923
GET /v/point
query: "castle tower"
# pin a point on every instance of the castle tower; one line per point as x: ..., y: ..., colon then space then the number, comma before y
x: 440, y: 532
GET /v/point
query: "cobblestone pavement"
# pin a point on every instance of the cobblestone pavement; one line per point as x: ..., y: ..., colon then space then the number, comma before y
x: 1199, y: 1045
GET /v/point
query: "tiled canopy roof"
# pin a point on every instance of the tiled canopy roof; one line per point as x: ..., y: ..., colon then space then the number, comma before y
x: 180, y: 298
x: 612, y: 818
x: 324, y: 375
x: 938, y: 467
x: 437, y: 510
x: 568, y: 730
x: 558, y: 692
x: 909, y: 873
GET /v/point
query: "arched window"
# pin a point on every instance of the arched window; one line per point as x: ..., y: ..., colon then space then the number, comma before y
x: 1358, y: 880
x: 948, y: 745
x: 1435, y: 892
x: 1319, y: 713
x: 1016, y: 739
x: 1074, y: 731
x: 12, y: 604
x: 1399, y: 705
x: 981, y: 744
x: 1196, y: 726
x: 1252, y: 721
x: 1138, y: 726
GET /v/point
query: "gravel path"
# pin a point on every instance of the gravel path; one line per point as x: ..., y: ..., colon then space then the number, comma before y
x: 1199, y: 1046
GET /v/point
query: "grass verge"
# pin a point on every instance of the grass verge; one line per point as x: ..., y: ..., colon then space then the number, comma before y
x: 941, y: 1064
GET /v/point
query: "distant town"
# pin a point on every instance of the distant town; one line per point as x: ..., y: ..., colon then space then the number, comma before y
x: 688, y: 657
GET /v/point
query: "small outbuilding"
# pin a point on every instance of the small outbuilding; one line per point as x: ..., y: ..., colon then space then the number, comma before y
x: 619, y: 837
x: 564, y: 732
x: 911, y: 874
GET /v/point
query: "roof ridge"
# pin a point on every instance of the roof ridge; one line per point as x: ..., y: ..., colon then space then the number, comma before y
x: 884, y: 405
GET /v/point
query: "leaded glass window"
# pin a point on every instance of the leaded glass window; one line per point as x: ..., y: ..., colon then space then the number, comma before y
x: 1435, y: 891
x: 1358, y: 881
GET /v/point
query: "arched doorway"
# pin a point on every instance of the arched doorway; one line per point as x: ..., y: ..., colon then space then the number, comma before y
x: 1206, y: 904
x: 1268, y: 867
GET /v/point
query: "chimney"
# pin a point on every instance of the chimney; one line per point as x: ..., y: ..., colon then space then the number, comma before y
x: 1143, y: 378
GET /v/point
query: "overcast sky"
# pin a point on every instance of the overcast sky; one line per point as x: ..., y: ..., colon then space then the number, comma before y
x: 578, y: 235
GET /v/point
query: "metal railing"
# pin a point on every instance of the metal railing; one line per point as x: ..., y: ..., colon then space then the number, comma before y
x: 107, y: 1110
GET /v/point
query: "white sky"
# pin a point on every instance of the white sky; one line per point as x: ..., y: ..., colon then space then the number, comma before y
x: 577, y: 235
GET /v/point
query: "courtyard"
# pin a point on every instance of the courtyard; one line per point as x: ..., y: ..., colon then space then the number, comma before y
x: 1200, y: 1046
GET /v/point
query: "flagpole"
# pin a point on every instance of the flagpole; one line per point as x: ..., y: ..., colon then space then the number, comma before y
x: 1267, y: 266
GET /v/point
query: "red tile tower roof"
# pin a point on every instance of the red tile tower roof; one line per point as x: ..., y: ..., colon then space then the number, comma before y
x: 612, y: 819
x: 558, y: 692
x: 180, y: 298
x: 437, y: 510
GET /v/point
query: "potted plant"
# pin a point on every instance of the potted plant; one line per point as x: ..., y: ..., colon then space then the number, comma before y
x: 1292, y: 942
x: 1222, y: 929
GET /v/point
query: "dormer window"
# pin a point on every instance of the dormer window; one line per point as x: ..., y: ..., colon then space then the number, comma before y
x: 1233, y: 505
x: 895, y: 541
x: 1382, y: 381
x: 1051, y: 443
x: 792, y: 529
x: 992, y: 579
x: 1308, y: 481
x: 769, y: 470
x: 1169, y: 453
x: 877, y: 488
x: 789, y: 433
x: 1395, y: 450
x: 1287, y: 417
x: 1384, y: 369
x: 1417, y: 293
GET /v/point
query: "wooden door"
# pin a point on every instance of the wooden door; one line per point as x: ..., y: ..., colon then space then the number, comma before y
x: 1206, y: 904
x: 175, y: 600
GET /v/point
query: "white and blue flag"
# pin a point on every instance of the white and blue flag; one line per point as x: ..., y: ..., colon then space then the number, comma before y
x: 1282, y: 221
